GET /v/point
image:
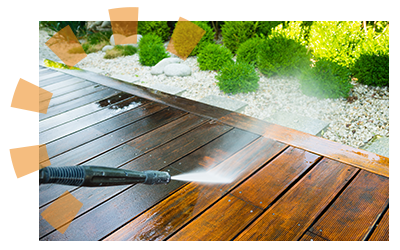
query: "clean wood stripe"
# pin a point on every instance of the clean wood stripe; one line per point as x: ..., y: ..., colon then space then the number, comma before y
x: 52, y: 79
x: 67, y: 86
x: 381, y: 232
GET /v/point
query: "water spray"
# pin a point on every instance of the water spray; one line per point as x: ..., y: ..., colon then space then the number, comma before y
x: 97, y: 176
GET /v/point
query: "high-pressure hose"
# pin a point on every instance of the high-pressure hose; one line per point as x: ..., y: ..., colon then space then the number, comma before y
x: 94, y: 176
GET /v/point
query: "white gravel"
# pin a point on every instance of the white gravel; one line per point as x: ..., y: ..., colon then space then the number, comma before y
x: 350, y: 123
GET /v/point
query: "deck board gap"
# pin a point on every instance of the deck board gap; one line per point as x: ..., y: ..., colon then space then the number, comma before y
x: 377, y: 221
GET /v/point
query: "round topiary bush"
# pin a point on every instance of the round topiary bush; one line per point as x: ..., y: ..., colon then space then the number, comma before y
x: 151, y: 50
x: 282, y: 56
x: 372, y: 69
x: 248, y: 50
x: 213, y: 57
x: 327, y: 79
x: 237, y: 77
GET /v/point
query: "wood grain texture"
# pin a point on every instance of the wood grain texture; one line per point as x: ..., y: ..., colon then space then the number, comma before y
x: 381, y: 232
x: 308, y: 236
x: 52, y: 78
x: 290, y: 217
x: 353, y: 214
x: 67, y: 86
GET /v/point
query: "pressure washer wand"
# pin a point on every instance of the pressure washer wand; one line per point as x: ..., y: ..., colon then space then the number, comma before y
x: 95, y: 176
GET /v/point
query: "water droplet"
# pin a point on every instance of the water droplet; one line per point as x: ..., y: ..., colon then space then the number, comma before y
x: 240, y: 192
x: 298, y: 224
x: 229, y: 200
x: 251, y: 211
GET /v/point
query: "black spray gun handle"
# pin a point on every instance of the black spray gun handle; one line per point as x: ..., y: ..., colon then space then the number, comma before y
x: 94, y: 176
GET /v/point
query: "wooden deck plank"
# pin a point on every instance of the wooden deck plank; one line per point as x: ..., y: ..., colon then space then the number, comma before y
x: 100, y: 219
x: 381, y: 232
x: 54, y: 101
x: 330, y: 149
x: 81, y: 111
x: 174, y: 212
x: 93, y: 132
x: 352, y: 216
x: 90, y: 119
x: 78, y: 103
x: 62, y: 87
x: 223, y: 222
x: 53, y: 75
x: 52, y: 79
x: 258, y: 191
x: 308, y: 236
x: 290, y: 217
x: 103, y: 144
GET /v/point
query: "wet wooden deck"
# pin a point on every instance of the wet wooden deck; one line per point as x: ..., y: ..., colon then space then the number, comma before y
x: 289, y: 185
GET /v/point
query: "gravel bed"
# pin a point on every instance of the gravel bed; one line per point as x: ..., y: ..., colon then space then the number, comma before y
x: 353, y: 121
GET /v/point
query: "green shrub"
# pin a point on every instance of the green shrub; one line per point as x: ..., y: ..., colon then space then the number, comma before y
x: 372, y: 66
x: 337, y: 41
x: 159, y: 28
x: 237, y: 77
x: 235, y: 33
x: 327, y: 79
x: 99, y: 37
x: 78, y: 27
x: 151, y: 50
x: 213, y: 57
x: 265, y: 27
x: 372, y: 69
x: 282, y: 56
x: 248, y: 50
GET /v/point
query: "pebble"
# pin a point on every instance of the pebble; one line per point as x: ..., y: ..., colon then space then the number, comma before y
x: 353, y: 121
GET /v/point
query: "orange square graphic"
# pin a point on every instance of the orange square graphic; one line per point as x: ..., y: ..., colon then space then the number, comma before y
x: 30, y: 97
x: 125, y: 32
x: 26, y: 160
x: 185, y: 37
x: 62, y: 211
x: 124, y: 23
x: 66, y: 46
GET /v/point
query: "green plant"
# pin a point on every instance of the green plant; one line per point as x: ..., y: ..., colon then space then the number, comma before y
x: 282, y: 56
x: 99, y: 37
x: 213, y: 57
x: 372, y: 66
x: 120, y: 50
x: 327, y: 79
x: 57, y: 65
x: 265, y: 27
x: 235, y: 33
x: 372, y: 69
x: 151, y: 50
x: 337, y: 41
x: 159, y: 28
x: 248, y: 50
x: 295, y: 30
x: 237, y: 77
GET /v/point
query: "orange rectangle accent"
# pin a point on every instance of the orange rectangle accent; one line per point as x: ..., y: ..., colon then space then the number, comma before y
x: 26, y: 160
x: 30, y: 97
x: 124, y: 23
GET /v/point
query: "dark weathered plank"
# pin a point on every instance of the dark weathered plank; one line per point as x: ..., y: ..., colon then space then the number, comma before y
x: 381, y: 232
x: 88, y: 134
x: 174, y: 212
x: 290, y: 217
x: 73, y: 95
x: 90, y: 119
x: 81, y: 111
x: 94, y: 148
x: 352, y: 215
x: 330, y: 149
x: 117, y: 211
x: 77, y: 103
x: 258, y: 191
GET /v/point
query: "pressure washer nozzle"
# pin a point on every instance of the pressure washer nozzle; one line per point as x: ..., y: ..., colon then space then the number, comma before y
x: 94, y: 176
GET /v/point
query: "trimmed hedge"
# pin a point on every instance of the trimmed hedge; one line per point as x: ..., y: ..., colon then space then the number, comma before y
x: 214, y: 57
x: 151, y: 50
x: 237, y: 77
